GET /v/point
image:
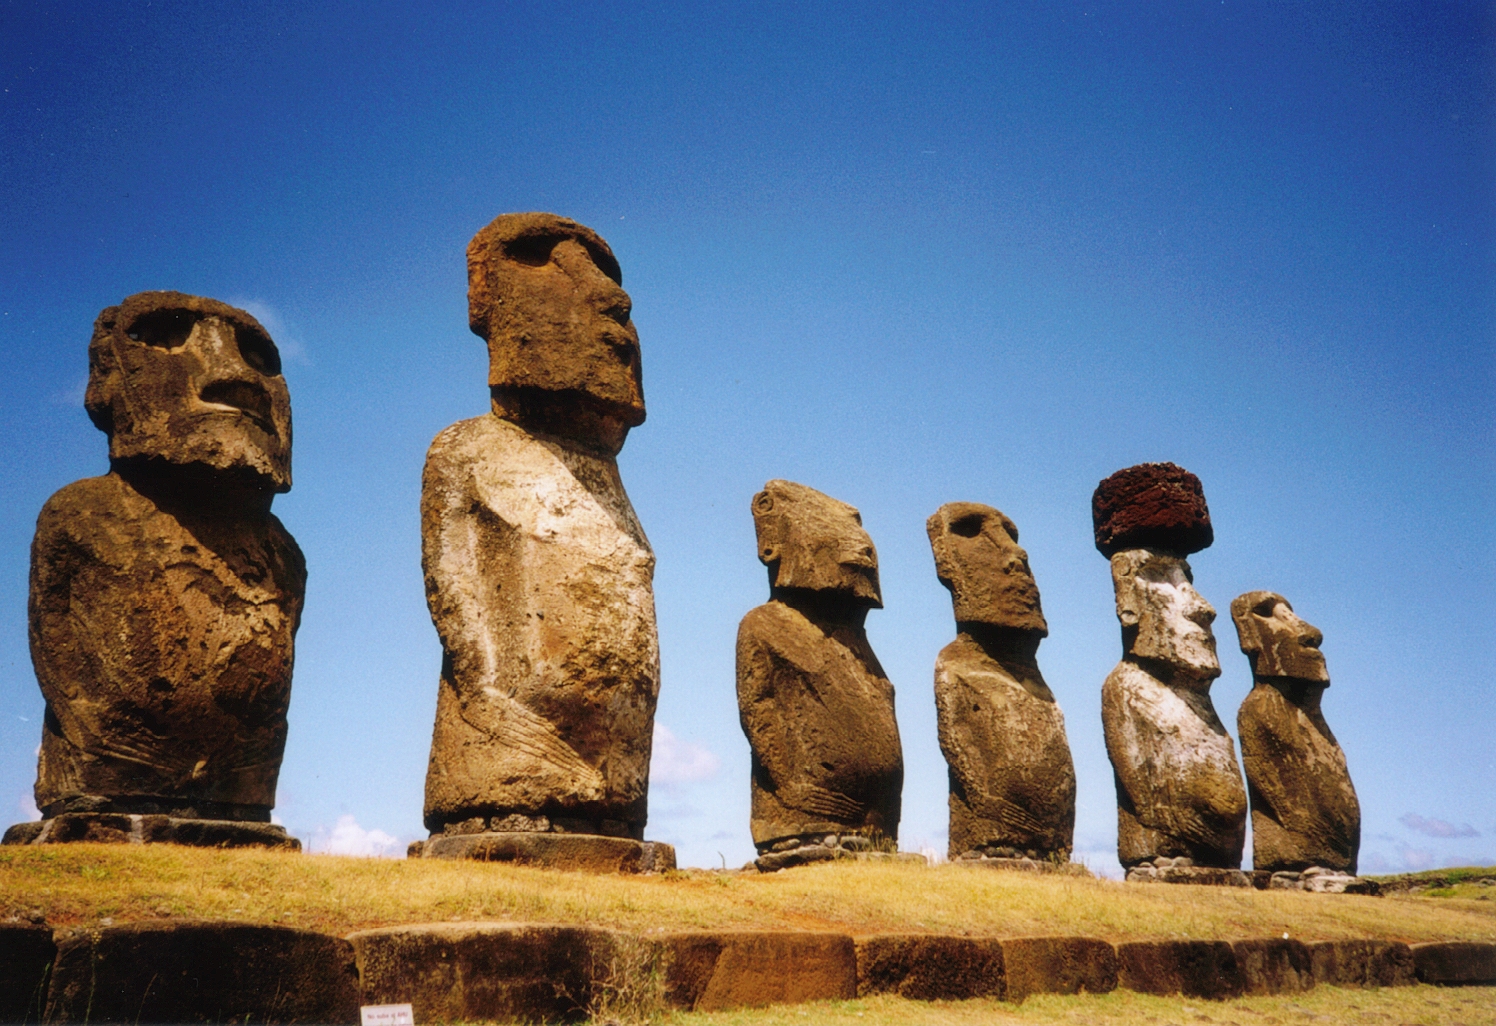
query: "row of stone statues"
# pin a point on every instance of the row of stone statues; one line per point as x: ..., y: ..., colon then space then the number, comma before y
x: 165, y: 598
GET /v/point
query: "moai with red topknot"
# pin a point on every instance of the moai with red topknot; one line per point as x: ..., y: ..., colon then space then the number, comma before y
x: 1181, y: 807
x: 165, y: 595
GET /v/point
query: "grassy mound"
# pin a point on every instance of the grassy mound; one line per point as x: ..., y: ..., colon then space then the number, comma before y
x: 88, y: 883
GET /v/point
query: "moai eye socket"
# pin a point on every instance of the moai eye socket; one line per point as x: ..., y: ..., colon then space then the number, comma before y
x: 163, y: 329
x: 968, y: 526
x: 531, y: 250
x: 1265, y: 608
x: 257, y: 350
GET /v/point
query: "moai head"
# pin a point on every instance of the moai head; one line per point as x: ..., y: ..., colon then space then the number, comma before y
x: 810, y: 541
x: 1147, y: 518
x: 978, y: 558
x: 1276, y: 641
x: 1163, y: 617
x: 546, y: 294
x: 190, y: 380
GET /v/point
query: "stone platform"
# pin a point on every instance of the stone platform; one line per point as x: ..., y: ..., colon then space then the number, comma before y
x: 1023, y: 865
x: 802, y: 851
x: 127, y: 828
x: 1183, y: 871
x: 588, y: 853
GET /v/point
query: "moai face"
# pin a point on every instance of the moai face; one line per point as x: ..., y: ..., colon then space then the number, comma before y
x: 810, y: 541
x: 190, y: 380
x: 1277, y: 642
x: 978, y: 558
x: 1170, y: 621
x: 546, y: 293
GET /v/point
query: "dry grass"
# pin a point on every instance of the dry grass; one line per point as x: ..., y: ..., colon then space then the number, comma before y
x: 85, y: 883
x: 1323, y: 1006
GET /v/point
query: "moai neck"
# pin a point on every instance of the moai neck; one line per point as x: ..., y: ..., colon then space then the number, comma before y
x: 566, y: 417
x: 194, y: 488
x: 829, y: 610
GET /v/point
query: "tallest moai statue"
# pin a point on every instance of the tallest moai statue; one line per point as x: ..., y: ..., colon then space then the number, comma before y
x: 538, y: 575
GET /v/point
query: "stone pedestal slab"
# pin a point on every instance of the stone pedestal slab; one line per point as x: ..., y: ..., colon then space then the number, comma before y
x: 123, y: 828
x: 589, y: 853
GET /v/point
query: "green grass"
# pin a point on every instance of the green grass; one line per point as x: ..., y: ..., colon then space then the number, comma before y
x: 87, y: 883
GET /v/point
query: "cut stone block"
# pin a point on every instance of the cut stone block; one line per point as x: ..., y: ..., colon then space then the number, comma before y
x: 482, y: 971
x: 125, y: 828
x: 202, y: 972
x: 928, y: 968
x: 1058, y: 965
x: 1362, y: 963
x: 710, y: 971
x: 1274, y: 965
x: 1453, y: 963
x: 26, y: 954
x: 1203, y: 969
x: 589, y: 853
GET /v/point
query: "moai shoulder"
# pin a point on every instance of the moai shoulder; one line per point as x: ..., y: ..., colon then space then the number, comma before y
x: 165, y: 595
x: 1304, y: 809
x: 817, y: 708
x: 538, y: 573
x: 1181, y: 807
x: 1012, y: 781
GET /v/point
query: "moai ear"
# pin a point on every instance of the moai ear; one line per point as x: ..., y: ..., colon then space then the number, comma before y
x: 767, y: 528
x: 1247, y: 612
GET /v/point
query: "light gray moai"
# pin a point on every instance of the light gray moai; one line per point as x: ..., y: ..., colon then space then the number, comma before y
x: 816, y: 706
x: 538, y: 574
x: 1012, y: 782
x: 165, y: 595
x: 1306, y: 821
x: 1181, y: 807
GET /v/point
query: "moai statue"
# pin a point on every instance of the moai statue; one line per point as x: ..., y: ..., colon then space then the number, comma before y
x: 1012, y: 783
x: 1181, y: 807
x: 1306, y: 822
x: 538, y: 575
x: 816, y: 707
x: 165, y: 595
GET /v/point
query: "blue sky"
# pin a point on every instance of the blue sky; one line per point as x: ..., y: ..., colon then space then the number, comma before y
x: 906, y: 254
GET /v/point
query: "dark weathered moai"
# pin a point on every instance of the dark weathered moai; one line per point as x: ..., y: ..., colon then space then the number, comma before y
x: 1181, y: 807
x: 1012, y: 782
x: 538, y: 574
x: 1304, y: 809
x: 816, y: 706
x: 165, y: 595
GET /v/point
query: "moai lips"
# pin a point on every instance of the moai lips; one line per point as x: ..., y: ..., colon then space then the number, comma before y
x: 1304, y: 808
x: 538, y: 573
x: 165, y: 596
x: 814, y: 703
x: 1012, y: 792
x: 1179, y: 789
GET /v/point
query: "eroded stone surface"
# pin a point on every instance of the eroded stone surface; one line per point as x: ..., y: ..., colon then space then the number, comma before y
x: 1304, y: 807
x: 538, y: 574
x: 582, y: 852
x: 123, y: 828
x: 1362, y: 963
x: 1179, y: 787
x: 1204, y: 969
x: 1012, y: 781
x: 26, y: 955
x: 814, y: 703
x: 710, y: 971
x: 165, y: 596
x: 922, y: 967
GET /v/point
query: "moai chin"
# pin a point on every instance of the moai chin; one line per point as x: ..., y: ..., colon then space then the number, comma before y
x: 538, y: 574
x: 815, y: 705
x: 165, y: 595
x: 1181, y: 807
x: 1012, y: 781
x: 1304, y: 809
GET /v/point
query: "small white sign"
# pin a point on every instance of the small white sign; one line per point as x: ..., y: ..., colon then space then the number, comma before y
x: 386, y: 1015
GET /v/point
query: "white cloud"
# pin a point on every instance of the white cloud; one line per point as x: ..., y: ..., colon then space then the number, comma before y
x: 348, y: 838
x: 1437, y: 827
x: 27, y: 806
x: 676, y: 762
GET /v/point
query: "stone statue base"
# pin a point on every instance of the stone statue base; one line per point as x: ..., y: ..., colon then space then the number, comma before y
x: 588, y: 853
x: 1322, y: 881
x: 125, y: 828
x: 1022, y: 865
x: 802, y: 851
x: 1183, y: 871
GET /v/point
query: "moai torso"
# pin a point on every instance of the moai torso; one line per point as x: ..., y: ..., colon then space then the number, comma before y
x: 1304, y: 808
x: 164, y: 595
x: 538, y: 574
x: 1012, y: 781
x: 815, y: 705
x: 1179, y: 787
x: 539, y: 580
